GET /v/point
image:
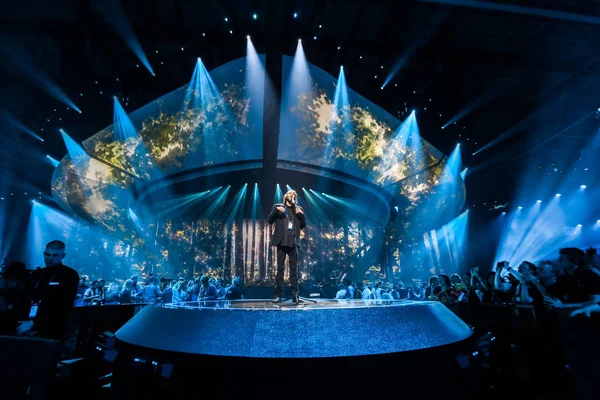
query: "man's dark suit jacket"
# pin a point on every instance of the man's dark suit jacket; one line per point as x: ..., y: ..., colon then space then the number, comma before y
x: 278, y: 218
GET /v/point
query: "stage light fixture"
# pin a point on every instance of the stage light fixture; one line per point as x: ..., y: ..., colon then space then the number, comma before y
x: 248, y: 37
x: 320, y: 26
x: 226, y: 19
x: 520, y: 207
x: 583, y: 186
x: 558, y: 194
x: 203, y: 34
x: 360, y: 57
x: 539, y: 201
x: 295, y: 15
x: 382, y: 88
x: 255, y: 16
x: 579, y: 225
x: 230, y: 32
x: 503, y: 212
x: 339, y: 47
x: 314, y: 38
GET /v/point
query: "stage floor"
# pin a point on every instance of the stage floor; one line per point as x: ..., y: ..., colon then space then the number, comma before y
x: 323, y: 328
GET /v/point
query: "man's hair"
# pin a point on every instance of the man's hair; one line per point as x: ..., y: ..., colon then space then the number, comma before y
x: 289, y: 194
x: 531, y: 266
x: 575, y: 255
x: 56, y: 244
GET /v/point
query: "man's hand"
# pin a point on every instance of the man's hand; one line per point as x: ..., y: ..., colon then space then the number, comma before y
x: 24, y: 327
x: 587, y: 310
x: 551, y: 302
x: 281, y: 209
x: 299, y: 210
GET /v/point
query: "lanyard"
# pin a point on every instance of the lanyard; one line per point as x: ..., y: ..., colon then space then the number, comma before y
x: 39, y: 298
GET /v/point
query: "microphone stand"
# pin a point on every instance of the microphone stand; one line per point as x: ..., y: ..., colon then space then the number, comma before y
x: 300, y: 298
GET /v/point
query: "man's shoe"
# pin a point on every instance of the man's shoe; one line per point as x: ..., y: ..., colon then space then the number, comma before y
x: 277, y: 299
x: 295, y: 298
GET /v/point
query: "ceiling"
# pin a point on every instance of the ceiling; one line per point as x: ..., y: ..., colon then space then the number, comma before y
x: 523, y: 75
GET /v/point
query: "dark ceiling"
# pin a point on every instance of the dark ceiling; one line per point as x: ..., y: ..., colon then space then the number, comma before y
x: 530, y: 73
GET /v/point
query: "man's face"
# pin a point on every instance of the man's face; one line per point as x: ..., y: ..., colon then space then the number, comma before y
x: 564, y: 261
x: 53, y: 257
x: 524, y: 269
x: 545, y: 271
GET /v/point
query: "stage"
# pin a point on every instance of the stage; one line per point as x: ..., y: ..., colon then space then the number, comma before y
x: 312, y: 329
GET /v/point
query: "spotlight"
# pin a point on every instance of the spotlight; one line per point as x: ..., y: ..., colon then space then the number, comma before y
x: 299, y: 40
x: 598, y: 222
x: 558, y: 194
x: 230, y: 32
x: 248, y: 37
x: 182, y: 49
x: 579, y: 225
x: 339, y: 47
x: 520, y: 207
x: 314, y: 38
x: 414, y: 111
x: 539, y: 201
x: 503, y: 212
x: 582, y: 186
x: 382, y: 88
x: 255, y: 16
x: 226, y: 19
x: 295, y: 15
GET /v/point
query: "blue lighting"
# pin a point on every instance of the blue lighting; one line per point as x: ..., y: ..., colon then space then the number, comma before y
x: 255, y: 16
x: 558, y: 194
x: 295, y: 15
x: 583, y: 186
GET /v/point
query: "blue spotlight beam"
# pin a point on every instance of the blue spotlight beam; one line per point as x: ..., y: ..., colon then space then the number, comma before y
x: 10, y: 122
x: 19, y: 64
x: 116, y: 17
x: 510, y: 8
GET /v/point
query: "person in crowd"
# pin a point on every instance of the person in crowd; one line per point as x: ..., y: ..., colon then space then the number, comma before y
x: 416, y: 293
x: 50, y: 300
x: 136, y: 292
x: 92, y: 295
x: 12, y: 284
x: 151, y: 294
x: 126, y: 295
x: 449, y: 293
x: 433, y: 289
x: 347, y: 282
x: 364, y: 290
x: 167, y: 292
x: 235, y: 291
x: 83, y: 286
x: 179, y: 292
x: 220, y: 289
x: 579, y: 287
x: 112, y: 294
x: 341, y: 292
x: 525, y: 291
x: 208, y: 291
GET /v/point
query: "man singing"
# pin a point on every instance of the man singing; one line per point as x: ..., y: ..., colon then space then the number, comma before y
x: 289, y: 220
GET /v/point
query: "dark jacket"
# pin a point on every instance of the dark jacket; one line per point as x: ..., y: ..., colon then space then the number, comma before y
x: 278, y: 218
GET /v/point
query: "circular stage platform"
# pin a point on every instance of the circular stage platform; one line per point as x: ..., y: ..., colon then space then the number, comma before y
x: 311, y: 329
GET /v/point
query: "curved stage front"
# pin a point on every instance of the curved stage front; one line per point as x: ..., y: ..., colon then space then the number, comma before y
x: 259, y: 329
